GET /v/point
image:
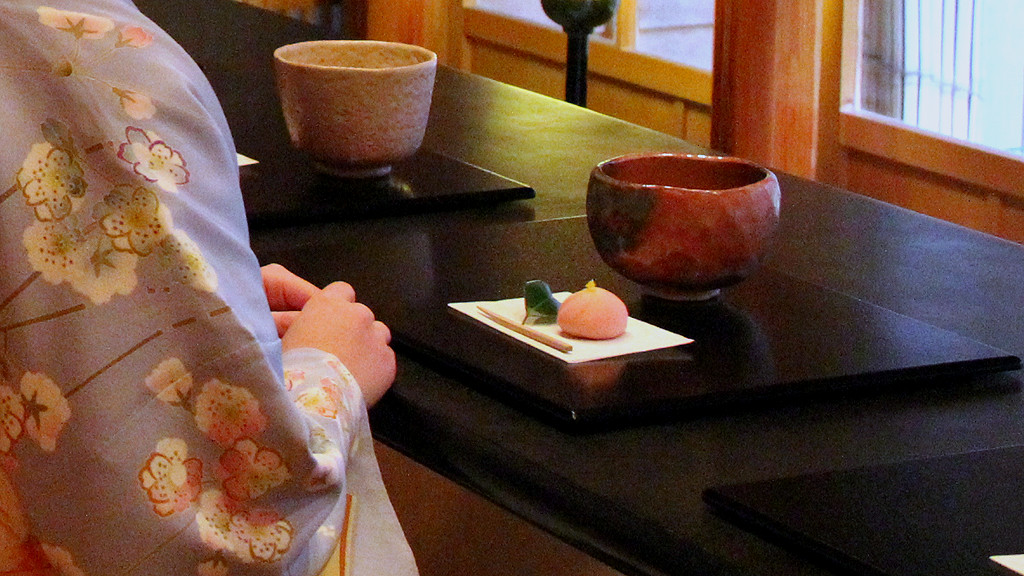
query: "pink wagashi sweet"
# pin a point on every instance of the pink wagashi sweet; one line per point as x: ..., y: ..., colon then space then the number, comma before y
x: 593, y: 313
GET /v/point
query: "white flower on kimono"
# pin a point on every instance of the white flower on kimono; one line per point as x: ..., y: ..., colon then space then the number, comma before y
x: 49, y: 178
x: 12, y: 417
x: 56, y: 249
x: 320, y: 442
x: 79, y: 25
x: 61, y: 559
x: 170, y: 381
x: 136, y: 220
x: 328, y: 532
x: 249, y: 470
x: 327, y: 473
x: 46, y: 409
x: 214, y: 567
x: 214, y: 519
x: 329, y: 460
x: 170, y: 478
x: 227, y: 413
x: 136, y: 104
x: 181, y: 257
x: 134, y: 37
x: 260, y: 535
x: 61, y: 253
x: 109, y: 272
x: 153, y: 159
x: 324, y: 400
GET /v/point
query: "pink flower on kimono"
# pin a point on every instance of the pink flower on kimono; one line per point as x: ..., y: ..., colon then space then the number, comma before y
x: 46, y: 409
x: 153, y: 159
x: 136, y: 104
x: 260, y: 535
x: 77, y: 24
x: 324, y: 400
x: 171, y: 479
x: 170, y: 381
x: 227, y: 413
x: 134, y: 219
x: 294, y: 378
x: 12, y: 417
x: 248, y: 470
x: 134, y: 37
x: 49, y: 178
x: 337, y: 366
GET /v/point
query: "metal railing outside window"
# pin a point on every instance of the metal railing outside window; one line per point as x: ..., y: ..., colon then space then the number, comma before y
x: 954, y: 67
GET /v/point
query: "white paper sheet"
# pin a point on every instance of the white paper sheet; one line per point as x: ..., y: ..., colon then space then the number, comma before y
x: 244, y: 160
x: 1012, y: 562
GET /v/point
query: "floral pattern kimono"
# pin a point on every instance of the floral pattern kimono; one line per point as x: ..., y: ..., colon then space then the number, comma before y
x: 149, y: 423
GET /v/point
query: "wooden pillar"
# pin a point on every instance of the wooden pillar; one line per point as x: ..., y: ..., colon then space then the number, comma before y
x: 421, y: 22
x: 767, y: 93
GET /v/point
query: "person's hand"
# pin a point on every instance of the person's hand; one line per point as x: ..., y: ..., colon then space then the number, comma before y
x: 331, y: 320
x: 286, y: 293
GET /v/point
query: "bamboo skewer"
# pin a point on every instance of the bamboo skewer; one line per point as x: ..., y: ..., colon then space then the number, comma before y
x: 531, y: 333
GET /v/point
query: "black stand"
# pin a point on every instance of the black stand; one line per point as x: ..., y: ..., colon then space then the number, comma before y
x: 576, y: 68
x: 578, y: 18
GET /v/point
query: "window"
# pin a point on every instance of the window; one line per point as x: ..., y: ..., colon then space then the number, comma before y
x: 953, y: 67
x: 528, y: 10
x: 937, y: 86
x: 679, y: 31
x: 651, y: 64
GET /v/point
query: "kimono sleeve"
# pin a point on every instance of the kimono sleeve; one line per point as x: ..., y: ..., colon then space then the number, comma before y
x: 146, y: 426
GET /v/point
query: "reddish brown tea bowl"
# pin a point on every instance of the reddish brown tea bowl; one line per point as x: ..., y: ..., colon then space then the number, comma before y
x: 682, y: 226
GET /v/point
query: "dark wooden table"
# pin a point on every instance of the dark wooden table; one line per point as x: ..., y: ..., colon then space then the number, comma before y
x: 631, y: 497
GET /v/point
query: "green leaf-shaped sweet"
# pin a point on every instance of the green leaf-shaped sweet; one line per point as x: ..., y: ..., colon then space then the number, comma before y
x: 541, y: 305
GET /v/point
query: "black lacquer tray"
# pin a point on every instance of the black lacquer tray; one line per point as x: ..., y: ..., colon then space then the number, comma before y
x: 426, y: 182
x: 771, y: 337
x: 942, y: 516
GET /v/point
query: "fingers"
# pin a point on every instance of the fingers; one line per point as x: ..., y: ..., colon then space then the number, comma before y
x: 384, y: 331
x: 341, y: 290
x: 285, y: 290
x: 339, y: 298
x: 333, y: 321
x: 283, y: 320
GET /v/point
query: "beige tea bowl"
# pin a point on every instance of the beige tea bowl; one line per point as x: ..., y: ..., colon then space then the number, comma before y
x: 682, y: 226
x: 357, y: 107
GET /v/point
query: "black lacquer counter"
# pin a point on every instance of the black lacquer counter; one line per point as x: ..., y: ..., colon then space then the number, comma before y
x: 631, y: 496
